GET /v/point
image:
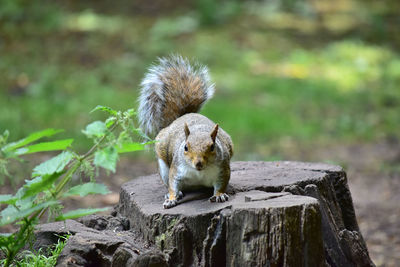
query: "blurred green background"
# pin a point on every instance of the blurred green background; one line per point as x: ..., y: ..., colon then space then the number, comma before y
x: 304, y: 79
x: 290, y: 75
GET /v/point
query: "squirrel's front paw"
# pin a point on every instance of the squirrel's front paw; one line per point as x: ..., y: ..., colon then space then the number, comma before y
x: 169, y: 203
x: 220, y: 198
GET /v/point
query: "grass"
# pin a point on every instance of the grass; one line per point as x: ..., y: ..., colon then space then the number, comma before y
x: 282, y: 75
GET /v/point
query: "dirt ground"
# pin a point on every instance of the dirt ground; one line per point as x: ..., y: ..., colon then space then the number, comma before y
x: 374, y: 179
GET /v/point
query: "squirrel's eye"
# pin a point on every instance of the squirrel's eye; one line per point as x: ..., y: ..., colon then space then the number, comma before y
x: 186, y: 148
x: 212, y: 147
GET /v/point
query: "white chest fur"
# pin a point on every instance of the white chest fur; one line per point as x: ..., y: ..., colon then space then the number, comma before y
x: 190, y: 177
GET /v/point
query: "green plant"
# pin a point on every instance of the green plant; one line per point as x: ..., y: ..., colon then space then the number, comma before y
x: 50, y: 179
x: 42, y: 258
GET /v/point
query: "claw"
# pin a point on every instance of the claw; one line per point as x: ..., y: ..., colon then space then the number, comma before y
x: 221, y: 198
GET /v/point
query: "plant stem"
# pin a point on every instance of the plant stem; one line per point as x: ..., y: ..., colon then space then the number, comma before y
x: 19, y: 238
x: 100, y: 141
x: 74, y: 166
x: 67, y: 177
x: 56, y: 194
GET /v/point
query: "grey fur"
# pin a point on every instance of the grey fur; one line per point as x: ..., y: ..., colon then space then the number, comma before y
x: 152, y: 101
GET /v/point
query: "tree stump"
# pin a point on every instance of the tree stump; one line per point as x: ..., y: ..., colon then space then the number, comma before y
x: 278, y: 214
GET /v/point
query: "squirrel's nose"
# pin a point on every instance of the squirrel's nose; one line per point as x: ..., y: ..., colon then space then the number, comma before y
x: 199, y: 165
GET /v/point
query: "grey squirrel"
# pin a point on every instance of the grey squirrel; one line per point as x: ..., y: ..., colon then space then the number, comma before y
x: 192, y: 150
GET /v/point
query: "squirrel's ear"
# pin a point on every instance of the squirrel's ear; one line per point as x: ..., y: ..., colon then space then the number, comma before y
x: 214, y: 132
x: 187, y: 132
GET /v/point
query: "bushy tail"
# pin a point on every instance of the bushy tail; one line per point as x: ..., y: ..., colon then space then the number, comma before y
x: 171, y: 89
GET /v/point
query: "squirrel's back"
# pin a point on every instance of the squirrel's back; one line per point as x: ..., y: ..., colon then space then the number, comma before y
x: 171, y: 89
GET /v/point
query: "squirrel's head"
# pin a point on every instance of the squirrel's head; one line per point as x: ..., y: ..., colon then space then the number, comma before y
x: 200, y: 148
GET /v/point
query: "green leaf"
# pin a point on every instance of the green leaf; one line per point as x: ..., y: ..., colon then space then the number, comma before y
x: 45, y: 146
x: 24, y: 203
x: 31, y: 138
x: 73, y: 214
x: 5, y: 239
x: 141, y: 134
x: 4, y: 137
x: 130, y: 147
x: 130, y: 113
x: 53, y: 165
x: 40, y: 184
x: 8, y: 214
x: 110, y: 121
x: 95, y: 129
x: 8, y: 199
x: 86, y: 189
x: 11, y: 214
x: 106, y: 109
x: 106, y: 158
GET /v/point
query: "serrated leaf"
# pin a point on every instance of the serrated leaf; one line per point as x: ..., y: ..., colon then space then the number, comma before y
x: 95, y: 129
x: 106, y: 158
x: 86, y: 189
x: 106, y: 109
x: 8, y: 199
x: 11, y: 214
x: 39, y: 184
x: 73, y: 214
x: 31, y: 138
x: 45, y: 146
x: 53, y: 165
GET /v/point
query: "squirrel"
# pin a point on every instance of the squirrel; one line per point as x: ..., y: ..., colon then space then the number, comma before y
x: 192, y: 150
